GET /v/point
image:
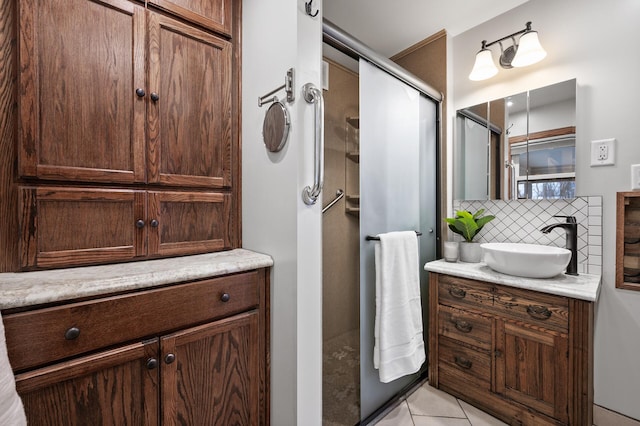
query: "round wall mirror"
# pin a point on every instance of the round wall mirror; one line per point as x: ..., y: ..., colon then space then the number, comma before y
x: 275, y: 128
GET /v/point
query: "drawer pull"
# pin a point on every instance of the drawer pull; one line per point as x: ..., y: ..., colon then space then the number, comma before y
x: 72, y: 333
x: 225, y: 297
x: 169, y: 358
x: 152, y: 363
x: 463, y: 326
x: 539, y: 312
x: 458, y: 293
x: 462, y: 362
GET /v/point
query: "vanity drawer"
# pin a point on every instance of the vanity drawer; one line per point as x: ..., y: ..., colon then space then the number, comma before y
x: 465, y: 327
x: 458, y: 363
x: 46, y: 335
x: 535, y: 308
x: 463, y: 293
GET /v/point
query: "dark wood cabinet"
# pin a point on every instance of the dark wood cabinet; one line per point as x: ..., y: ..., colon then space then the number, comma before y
x: 210, y: 374
x: 524, y: 356
x: 114, y: 387
x: 190, y: 107
x: 194, y: 353
x: 213, y: 14
x: 125, y: 110
x: 76, y: 226
x: 79, y: 116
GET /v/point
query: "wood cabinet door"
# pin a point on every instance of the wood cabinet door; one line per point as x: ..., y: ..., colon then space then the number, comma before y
x: 213, y: 14
x: 532, y: 368
x: 190, y: 122
x: 210, y: 373
x: 79, y: 116
x: 114, y: 387
x: 66, y: 227
x: 189, y: 222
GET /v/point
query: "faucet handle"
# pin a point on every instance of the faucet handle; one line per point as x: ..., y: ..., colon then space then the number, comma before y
x: 570, y: 219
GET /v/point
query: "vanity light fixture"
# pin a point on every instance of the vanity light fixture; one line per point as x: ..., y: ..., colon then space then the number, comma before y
x: 527, y: 51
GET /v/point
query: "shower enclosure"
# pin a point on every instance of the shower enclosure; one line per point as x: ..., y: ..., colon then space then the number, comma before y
x: 381, y: 150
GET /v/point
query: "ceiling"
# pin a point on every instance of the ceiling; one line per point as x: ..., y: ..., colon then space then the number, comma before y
x: 390, y: 26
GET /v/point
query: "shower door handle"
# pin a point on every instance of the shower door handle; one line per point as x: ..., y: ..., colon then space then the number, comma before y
x: 313, y: 95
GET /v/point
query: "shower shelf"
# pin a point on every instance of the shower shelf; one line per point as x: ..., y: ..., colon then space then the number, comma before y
x: 353, y: 198
x: 354, y: 156
x: 354, y: 211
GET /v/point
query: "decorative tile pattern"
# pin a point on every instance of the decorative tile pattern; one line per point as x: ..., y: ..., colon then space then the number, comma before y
x: 520, y: 221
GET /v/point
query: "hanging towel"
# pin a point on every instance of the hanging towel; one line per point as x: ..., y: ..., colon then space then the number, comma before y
x: 11, y: 409
x: 398, y: 342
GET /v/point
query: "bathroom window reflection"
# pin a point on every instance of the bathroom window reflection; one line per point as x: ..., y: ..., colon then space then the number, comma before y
x: 545, y: 168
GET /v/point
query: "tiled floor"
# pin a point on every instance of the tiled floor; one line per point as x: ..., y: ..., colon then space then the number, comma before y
x: 428, y: 406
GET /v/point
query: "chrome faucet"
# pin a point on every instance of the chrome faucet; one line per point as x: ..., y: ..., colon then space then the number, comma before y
x: 571, y: 229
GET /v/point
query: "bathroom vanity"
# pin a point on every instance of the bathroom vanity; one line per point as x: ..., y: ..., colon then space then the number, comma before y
x: 518, y: 348
x: 182, y: 340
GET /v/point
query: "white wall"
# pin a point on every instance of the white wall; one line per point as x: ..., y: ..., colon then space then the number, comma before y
x: 593, y: 42
x: 278, y: 35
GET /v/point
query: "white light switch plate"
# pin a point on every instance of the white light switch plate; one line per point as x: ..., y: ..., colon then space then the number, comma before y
x: 635, y: 176
x: 603, y: 152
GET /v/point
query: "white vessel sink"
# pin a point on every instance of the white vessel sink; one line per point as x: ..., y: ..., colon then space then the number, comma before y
x: 526, y: 260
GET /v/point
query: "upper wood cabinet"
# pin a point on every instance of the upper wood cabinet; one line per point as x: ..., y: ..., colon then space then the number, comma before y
x: 78, y: 226
x: 128, y: 131
x: 79, y: 64
x: 189, y: 111
x: 212, y: 14
x: 89, y: 112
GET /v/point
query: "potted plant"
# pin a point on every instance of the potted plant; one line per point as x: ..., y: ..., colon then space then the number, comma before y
x: 468, y: 225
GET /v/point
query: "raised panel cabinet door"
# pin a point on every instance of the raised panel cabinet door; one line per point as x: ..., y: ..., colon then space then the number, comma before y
x: 114, y: 387
x: 532, y: 368
x: 213, y: 14
x: 67, y: 227
x: 189, y: 222
x: 210, y: 374
x: 80, y: 118
x: 190, y: 116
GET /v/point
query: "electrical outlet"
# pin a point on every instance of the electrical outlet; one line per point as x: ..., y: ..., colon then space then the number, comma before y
x: 635, y: 176
x: 603, y: 152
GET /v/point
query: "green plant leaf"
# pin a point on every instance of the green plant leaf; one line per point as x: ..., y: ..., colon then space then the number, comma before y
x: 468, y: 225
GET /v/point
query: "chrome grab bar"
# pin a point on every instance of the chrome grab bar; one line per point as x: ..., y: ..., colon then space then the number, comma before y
x: 313, y: 95
x: 339, y: 195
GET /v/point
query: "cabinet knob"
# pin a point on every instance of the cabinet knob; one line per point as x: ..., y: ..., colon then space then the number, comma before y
x: 140, y: 92
x: 169, y: 358
x: 462, y: 362
x: 154, y: 97
x: 225, y: 297
x: 72, y: 333
x: 539, y: 312
x: 154, y: 223
x: 152, y: 363
x: 139, y: 223
x: 458, y: 293
x: 463, y: 326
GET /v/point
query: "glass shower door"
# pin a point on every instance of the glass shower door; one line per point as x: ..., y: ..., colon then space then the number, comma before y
x: 397, y: 193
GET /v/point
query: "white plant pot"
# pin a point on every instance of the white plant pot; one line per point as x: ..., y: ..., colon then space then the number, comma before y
x: 470, y: 252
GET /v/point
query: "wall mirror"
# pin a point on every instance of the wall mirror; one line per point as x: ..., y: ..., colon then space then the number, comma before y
x: 518, y: 147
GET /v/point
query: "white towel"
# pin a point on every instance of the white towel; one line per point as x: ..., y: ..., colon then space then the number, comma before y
x: 398, y: 342
x: 11, y: 409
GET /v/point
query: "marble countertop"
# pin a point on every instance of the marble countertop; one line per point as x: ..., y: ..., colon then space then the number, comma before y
x: 22, y: 289
x: 583, y: 286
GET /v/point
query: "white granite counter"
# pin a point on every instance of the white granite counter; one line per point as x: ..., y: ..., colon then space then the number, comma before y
x: 33, y: 288
x: 583, y: 286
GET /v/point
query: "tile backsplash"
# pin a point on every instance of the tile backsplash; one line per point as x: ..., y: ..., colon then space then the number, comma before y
x: 519, y: 221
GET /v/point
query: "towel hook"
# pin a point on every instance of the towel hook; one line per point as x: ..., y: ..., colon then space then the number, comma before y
x: 307, y: 7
